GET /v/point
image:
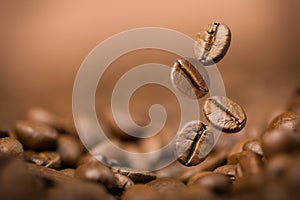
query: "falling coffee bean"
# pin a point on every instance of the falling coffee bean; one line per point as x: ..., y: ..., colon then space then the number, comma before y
x: 193, y: 143
x: 187, y: 79
x: 212, y: 43
x: 224, y: 114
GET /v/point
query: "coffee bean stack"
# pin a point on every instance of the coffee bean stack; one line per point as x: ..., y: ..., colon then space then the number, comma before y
x: 196, y: 139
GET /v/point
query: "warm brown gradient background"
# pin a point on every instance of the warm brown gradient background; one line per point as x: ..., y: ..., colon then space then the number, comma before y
x: 44, y: 42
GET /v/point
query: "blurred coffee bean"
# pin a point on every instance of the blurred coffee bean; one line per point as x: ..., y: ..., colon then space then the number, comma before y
x: 60, y: 124
x: 17, y: 183
x: 47, y: 158
x: 254, y: 146
x: 193, y: 178
x: 294, y: 104
x: 36, y: 135
x: 68, y: 172
x: 86, y: 158
x: 194, y: 192
x: 141, y: 192
x: 228, y: 170
x: 187, y: 79
x: 278, y: 164
x: 4, y: 133
x: 286, y: 120
x: 238, y: 146
x: 224, y: 114
x: 10, y: 147
x: 218, y: 183
x: 137, y: 176
x: 70, y: 150
x: 167, y: 185
x: 280, y: 140
x: 249, y: 163
x: 193, y: 143
x: 96, y: 172
x: 212, y: 43
x: 123, y: 182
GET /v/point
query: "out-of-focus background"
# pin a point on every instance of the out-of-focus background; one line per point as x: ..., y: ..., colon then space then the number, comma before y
x: 44, y: 42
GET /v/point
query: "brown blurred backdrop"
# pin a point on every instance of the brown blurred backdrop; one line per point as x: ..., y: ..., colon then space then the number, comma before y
x: 44, y: 42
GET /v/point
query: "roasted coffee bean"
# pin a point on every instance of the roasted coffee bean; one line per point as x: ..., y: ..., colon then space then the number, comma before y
x: 194, y: 192
x: 123, y: 182
x: 141, y: 192
x: 167, y: 185
x: 249, y: 163
x: 68, y: 172
x: 47, y: 159
x: 36, y: 135
x: 96, y: 172
x: 218, y: 183
x: 193, y: 143
x: 187, y: 79
x: 70, y: 149
x: 137, y: 176
x: 254, y: 146
x: 286, y: 120
x: 212, y: 43
x: 278, y: 164
x: 280, y: 140
x: 224, y: 114
x: 228, y: 170
x: 10, y: 147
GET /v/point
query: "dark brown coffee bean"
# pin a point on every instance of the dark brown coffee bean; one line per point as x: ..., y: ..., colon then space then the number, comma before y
x: 70, y: 150
x: 68, y: 172
x: 249, y: 163
x: 213, y: 161
x: 141, y: 192
x: 193, y: 143
x: 47, y: 159
x: 187, y: 79
x: 278, y: 164
x: 167, y: 185
x: 137, y: 176
x: 212, y: 43
x: 280, y: 140
x: 96, y: 172
x: 36, y: 135
x: 254, y: 146
x: 194, y: 192
x: 10, y: 147
x: 228, y: 170
x: 123, y: 182
x: 286, y: 120
x: 224, y: 114
x: 218, y: 183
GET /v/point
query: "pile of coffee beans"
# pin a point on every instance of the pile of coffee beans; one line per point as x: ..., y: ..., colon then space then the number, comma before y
x: 43, y: 158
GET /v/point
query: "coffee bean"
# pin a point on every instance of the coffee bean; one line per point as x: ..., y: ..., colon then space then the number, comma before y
x: 212, y: 43
x: 47, y: 159
x: 224, y: 114
x: 96, y: 172
x: 187, y: 79
x: 123, y: 182
x: 137, y: 176
x: 36, y: 135
x: 68, y: 172
x: 70, y: 150
x: 218, y: 183
x: 167, y: 185
x: 278, y: 164
x: 193, y: 143
x: 228, y: 170
x: 249, y: 163
x: 286, y: 120
x: 141, y: 192
x: 10, y: 147
x: 195, y: 192
x: 280, y: 140
x: 254, y: 146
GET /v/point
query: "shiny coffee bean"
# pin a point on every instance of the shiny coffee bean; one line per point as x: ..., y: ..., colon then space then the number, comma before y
x: 141, y: 192
x: 280, y: 140
x: 10, y: 147
x: 212, y: 43
x: 254, y: 146
x: 218, y: 183
x: 47, y: 159
x: 286, y: 120
x: 224, y: 114
x: 123, y: 182
x: 35, y: 135
x: 228, y: 170
x: 137, y: 176
x: 167, y: 185
x: 193, y: 143
x: 70, y: 150
x: 187, y: 79
x: 96, y: 172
